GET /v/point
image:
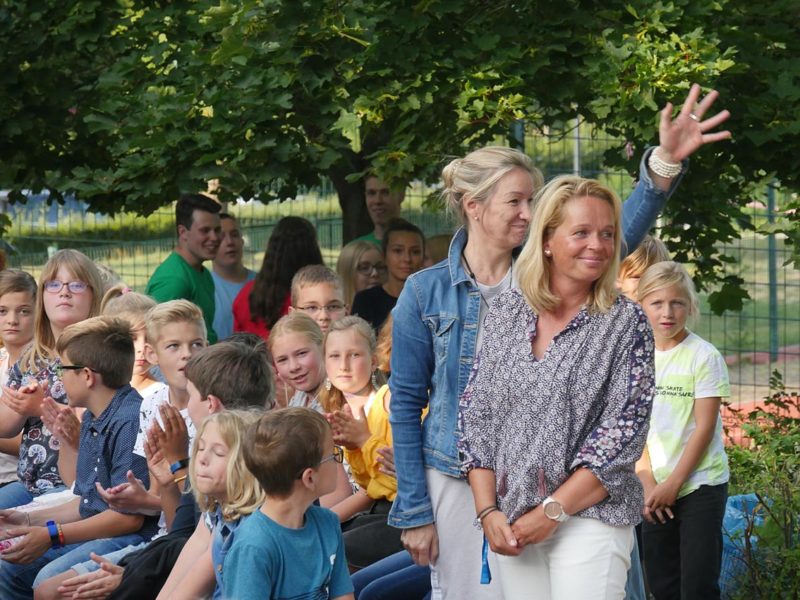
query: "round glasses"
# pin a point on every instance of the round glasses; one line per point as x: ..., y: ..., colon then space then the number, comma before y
x: 54, y: 286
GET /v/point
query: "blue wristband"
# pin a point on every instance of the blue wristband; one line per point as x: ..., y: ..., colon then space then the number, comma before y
x: 177, y: 466
x: 52, y: 529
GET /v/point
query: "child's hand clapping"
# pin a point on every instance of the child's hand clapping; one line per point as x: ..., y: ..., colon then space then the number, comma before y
x: 173, y: 437
x: 26, y: 401
x: 62, y: 422
x: 348, y: 431
x: 131, y: 496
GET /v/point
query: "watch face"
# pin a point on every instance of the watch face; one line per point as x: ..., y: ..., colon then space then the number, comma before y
x: 553, y: 510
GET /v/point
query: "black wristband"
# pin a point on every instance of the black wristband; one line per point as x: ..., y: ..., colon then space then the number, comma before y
x: 177, y: 466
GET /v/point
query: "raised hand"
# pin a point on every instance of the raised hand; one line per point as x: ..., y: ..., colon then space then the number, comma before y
x: 680, y: 137
x: 173, y: 437
x: 348, y: 431
x: 159, y: 467
x: 62, y: 422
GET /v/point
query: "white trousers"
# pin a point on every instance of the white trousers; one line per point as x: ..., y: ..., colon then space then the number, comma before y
x: 457, y: 572
x: 584, y: 559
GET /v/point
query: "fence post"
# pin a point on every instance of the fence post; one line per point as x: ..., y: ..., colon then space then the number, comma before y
x: 773, y: 278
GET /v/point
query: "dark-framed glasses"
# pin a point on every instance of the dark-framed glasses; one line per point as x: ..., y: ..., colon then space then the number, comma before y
x: 59, y: 369
x: 54, y: 286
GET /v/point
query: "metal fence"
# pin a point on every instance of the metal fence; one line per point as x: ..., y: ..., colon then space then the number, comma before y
x: 762, y: 337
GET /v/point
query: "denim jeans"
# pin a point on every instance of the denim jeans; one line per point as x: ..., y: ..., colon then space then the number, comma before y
x: 14, y: 494
x: 396, y: 577
x: 634, y: 586
x: 17, y: 581
x: 684, y: 555
x: 89, y: 566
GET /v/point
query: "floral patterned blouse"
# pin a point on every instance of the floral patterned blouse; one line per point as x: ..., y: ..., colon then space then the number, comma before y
x: 585, y: 403
x: 38, y: 452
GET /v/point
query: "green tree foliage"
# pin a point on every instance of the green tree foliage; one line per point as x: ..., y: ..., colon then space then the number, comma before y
x: 128, y: 103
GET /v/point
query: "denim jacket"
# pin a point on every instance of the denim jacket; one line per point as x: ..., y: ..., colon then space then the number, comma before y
x: 433, y: 349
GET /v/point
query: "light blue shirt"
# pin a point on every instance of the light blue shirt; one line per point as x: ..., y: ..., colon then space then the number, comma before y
x: 224, y: 294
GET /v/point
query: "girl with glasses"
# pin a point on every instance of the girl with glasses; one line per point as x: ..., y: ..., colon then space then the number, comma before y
x: 361, y: 267
x: 70, y: 289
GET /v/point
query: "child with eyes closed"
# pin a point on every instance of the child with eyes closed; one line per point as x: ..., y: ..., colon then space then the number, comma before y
x: 227, y: 493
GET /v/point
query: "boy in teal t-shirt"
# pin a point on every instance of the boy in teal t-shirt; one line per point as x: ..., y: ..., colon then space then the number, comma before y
x: 290, y: 549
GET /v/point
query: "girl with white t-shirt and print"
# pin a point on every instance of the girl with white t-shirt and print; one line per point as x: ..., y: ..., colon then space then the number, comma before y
x: 684, y: 469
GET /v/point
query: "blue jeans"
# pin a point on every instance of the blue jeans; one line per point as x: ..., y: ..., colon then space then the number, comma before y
x: 634, y: 586
x: 396, y: 577
x: 90, y: 566
x: 14, y: 494
x: 17, y: 581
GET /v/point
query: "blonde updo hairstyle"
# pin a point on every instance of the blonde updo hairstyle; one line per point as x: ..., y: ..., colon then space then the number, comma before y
x: 476, y: 175
x: 666, y: 274
x: 534, y: 268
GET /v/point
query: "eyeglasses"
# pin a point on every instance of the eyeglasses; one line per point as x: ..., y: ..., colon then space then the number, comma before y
x: 331, y: 309
x: 54, y: 286
x: 337, y: 456
x: 59, y: 369
x: 367, y: 268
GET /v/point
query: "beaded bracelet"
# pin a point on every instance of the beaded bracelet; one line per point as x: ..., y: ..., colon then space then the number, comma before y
x: 661, y: 167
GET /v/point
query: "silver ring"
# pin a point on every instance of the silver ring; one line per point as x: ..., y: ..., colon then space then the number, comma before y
x: 693, y: 117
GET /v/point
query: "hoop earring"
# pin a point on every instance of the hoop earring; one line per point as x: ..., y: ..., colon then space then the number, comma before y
x: 328, y: 384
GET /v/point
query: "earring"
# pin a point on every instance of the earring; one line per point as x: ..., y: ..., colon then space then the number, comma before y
x: 328, y: 384
x: 374, y: 380
x: 547, y: 252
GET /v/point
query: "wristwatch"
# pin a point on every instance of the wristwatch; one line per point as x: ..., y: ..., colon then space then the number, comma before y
x: 553, y: 510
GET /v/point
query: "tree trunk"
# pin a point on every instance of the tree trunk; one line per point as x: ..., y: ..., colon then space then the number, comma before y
x: 355, y: 219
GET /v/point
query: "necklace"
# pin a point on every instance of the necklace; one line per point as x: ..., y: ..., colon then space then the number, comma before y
x: 471, y: 274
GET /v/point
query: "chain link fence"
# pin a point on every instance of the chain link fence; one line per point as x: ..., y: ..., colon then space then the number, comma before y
x: 762, y: 337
